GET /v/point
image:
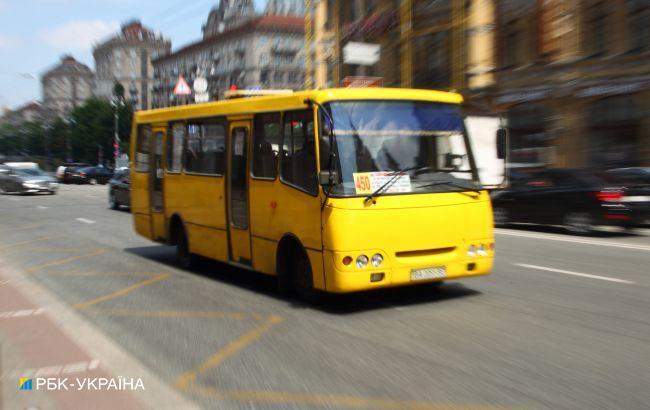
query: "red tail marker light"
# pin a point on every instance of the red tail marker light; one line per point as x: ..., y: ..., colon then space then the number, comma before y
x: 609, y: 196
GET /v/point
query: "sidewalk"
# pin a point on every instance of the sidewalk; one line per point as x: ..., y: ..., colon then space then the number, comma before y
x: 49, y: 342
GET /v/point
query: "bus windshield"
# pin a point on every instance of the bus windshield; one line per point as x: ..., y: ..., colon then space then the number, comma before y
x: 421, y: 144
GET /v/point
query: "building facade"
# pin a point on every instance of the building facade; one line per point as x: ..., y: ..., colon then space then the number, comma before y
x: 66, y: 86
x: 126, y: 59
x: 432, y: 44
x: 259, y: 52
x: 573, y: 79
x: 30, y: 112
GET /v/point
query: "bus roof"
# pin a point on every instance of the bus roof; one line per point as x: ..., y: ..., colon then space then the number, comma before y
x: 292, y: 101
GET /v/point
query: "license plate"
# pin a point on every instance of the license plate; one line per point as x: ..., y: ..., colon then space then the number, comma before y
x: 438, y: 272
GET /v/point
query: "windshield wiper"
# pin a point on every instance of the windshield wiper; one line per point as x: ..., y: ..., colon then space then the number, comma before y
x: 395, y: 176
x: 452, y: 184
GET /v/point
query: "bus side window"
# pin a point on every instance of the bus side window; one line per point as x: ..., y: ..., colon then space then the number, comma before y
x: 299, y: 161
x: 266, y: 145
x: 142, y: 148
x: 205, y: 148
x: 175, y: 143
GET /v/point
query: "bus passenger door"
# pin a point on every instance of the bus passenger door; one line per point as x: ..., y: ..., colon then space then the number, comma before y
x: 158, y: 225
x: 238, y: 214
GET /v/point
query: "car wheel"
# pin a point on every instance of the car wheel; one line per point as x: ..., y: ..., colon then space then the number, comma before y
x: 501, y: 217
x: 112, y: 202
x: 92, y: 181
x: 185, y: 259
x: 303, y: 279
x: 580, y: 223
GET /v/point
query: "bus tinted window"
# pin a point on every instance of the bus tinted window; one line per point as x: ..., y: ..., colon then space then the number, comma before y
x: 206, y: 146
x: 142, y: 148
x: 298, y: 151
x: 266, y: 145
x: 175, y: 141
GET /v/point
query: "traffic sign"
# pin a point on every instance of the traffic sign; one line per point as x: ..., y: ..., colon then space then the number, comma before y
x: 182, y: 88
x: 200, y: 85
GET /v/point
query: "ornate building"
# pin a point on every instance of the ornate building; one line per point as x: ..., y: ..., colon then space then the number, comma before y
x: 227, y: 14
x: 66, y: 86
x: 126, y: 59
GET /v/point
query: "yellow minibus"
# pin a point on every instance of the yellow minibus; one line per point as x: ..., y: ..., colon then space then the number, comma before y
x: 338, y: 190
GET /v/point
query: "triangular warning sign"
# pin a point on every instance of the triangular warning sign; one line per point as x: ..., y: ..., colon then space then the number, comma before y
x: 182, y: 88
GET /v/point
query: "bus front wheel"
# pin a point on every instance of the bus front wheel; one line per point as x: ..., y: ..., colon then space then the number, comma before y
x: 303, y: 279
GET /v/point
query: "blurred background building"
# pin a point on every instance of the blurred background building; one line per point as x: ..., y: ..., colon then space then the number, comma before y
x: 126, y: 59
x: 66, y: 86
x: 239, y: 48
x: 574, y: 81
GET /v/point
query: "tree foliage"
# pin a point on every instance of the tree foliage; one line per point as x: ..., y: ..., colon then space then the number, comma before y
x: 81, y: 137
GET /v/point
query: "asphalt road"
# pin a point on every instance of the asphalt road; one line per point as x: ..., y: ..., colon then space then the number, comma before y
x: 563, y: 323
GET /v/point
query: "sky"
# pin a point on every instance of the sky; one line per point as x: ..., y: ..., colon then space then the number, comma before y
x: 34, y: 34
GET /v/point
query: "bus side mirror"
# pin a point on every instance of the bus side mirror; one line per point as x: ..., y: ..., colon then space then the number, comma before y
x: 502, y: 144
x: 324, y: 178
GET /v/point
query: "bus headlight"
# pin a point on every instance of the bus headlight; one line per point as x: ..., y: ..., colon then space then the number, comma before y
x: 471, y: 251
x: 482, y: 250
x: 362, y: 261
x: 377, y: 260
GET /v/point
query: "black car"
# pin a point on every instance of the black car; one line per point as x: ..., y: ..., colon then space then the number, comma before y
x: 634, y: 175
x: 89, y: 175
x: 119, y: 189
x: 577, y: 199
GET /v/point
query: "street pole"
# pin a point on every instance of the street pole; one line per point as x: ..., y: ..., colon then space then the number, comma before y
x: 116, y: 138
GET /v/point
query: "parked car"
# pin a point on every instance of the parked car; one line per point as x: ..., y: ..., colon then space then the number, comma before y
x: 635, y: 175
x: 578, y: 199
x: 90, y: 175
x: 26, y: 181
x: 119, y: 189
x: 61, y: 171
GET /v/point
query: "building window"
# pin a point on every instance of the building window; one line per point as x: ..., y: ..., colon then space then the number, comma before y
x: 175, y: 142
x: 639, y: 25
x: 596, y: 30
x: 298, y: 151
x: 512, y: 45
x: 142, y: 148
x: 206, y: 147
x: 266, y: 145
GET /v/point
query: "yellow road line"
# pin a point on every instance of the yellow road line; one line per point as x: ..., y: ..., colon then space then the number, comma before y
x: 17, y: 244
x: 21, y: 228
x: 46, y: 250
x: 188, y: 378
x: 66, y: 260
x: 324, y: 400
x: 176, y: 314
x: 100, y: 274
x: 122, y: 292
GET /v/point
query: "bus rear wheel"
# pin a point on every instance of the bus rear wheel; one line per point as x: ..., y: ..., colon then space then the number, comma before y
x: 183, y: 256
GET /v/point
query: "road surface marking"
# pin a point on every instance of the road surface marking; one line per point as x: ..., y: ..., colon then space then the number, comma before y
x: 42, y: 207
x: 66, y: 260
x: 91, y: 273
x: 121, y: 292
x: 21, y: 228
x: 567, y: 272
x: 59, y: 370
x: 17, y: 244
x: 12, y: 314
x: 187, y: 379
x: 560, y: 238
x: 198, y: 314
x: 86, y: 221
x: 326, y: 400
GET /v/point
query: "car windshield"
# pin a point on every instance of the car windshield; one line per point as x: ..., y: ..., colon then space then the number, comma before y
x: 421, y: 144
x: 29, y: 172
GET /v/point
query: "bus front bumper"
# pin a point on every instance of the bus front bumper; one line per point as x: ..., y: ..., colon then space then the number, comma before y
x: 339, y: 280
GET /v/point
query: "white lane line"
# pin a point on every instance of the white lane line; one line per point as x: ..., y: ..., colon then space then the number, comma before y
x: 59, y: 370
x: 86, y: 221
x: 560, y: 238
x: 91, y: 196
x: 21, y: 313
x: 568, y: 272
x: 41, y: 207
